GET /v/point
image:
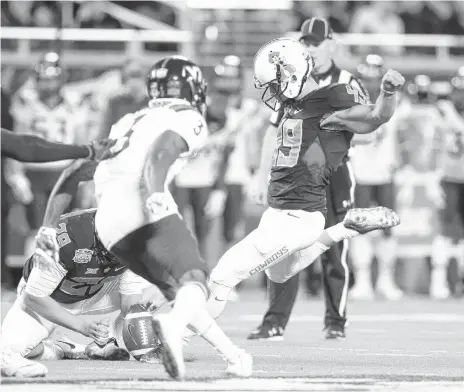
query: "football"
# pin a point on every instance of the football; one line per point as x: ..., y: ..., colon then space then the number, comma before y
x: 138, y: 333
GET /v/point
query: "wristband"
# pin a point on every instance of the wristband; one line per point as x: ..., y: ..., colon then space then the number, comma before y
x: 91, y: 155
x: 387, y: 92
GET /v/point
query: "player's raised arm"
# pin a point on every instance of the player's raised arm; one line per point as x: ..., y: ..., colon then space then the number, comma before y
x: 367, y: 118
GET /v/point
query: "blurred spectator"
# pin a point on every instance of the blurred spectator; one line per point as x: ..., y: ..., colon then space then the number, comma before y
x: 45, y: 14
x: 338, y: 16
x: 6, y: 273
x: 130, y: 98
x: 379, y: 17
x: 91, y: 15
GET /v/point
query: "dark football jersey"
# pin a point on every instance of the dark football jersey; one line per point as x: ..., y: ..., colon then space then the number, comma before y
x: 306, y: 156
x: 78, y: 255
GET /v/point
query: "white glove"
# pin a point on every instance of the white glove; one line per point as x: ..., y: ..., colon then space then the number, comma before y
x: 216, y: 203
x: 47, y: 244
x: 160, y: 205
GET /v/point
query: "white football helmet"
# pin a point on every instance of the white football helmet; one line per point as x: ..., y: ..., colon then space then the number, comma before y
x: 281, y: 67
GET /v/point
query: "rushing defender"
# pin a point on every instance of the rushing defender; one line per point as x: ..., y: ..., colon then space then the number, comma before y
x: 137, y: 219
x: 312, y: 141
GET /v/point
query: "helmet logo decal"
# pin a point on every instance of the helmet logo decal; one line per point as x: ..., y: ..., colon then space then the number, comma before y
x: 276, y: 59
x: 194, y: 72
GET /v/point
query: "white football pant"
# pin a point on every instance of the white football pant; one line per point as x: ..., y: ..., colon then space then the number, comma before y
x: 277, y: 247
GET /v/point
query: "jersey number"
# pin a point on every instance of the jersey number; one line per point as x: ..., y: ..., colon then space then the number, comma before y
x: 54, y: 131
x: 357, y: 96
x: 62, y: 235
x: 81, y: 287
x: 289, y: 143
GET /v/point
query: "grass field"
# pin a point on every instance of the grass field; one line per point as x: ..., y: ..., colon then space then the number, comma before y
x: 411, y: 345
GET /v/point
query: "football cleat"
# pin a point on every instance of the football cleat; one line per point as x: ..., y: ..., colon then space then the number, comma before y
x: 335, y: 332
x: 274, y: 333
x: 14, y: 365
x: 109, y: 352
x: 71, y: 350
x: 242, y: 366
x: 388, y: 290
x: 364, y: 220
x: 153, y: 356
x: 171, y: 340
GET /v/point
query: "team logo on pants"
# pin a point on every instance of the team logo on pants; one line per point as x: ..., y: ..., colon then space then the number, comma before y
x: 270, y: 260
x: 82, y: 256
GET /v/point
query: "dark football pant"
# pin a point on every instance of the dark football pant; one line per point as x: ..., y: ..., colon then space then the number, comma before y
x: 165, y: 253
x: 233, y: 213
x: 335, y: 271
x: 197, y: 198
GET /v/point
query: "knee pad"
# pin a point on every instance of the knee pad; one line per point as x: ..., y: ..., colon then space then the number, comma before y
x: 198, y: 277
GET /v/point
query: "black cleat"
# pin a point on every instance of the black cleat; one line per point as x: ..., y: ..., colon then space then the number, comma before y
x: 273, y: 333
x: 335, y: 332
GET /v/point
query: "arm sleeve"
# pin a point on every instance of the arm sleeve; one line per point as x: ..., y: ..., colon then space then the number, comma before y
x: 359, y: 85
x: 344, y: 96
x: 42, y: 283
x: 132, y: 284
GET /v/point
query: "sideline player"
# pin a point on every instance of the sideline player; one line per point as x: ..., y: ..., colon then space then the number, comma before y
x: 83, y: 279
x: 312, y: 140
x: 137, y: 219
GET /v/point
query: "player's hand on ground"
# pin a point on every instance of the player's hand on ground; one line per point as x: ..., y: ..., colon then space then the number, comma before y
x: 96, y: 330
x: 257, y: 189
x: 216, y: 203
x: 392, y: 81
x: 47, y: 243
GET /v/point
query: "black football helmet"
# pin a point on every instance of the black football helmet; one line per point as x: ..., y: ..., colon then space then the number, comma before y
x: 178, y: 77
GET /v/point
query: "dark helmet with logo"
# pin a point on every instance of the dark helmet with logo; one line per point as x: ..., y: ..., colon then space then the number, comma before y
x: 177, y: 77
x: 228, y: 75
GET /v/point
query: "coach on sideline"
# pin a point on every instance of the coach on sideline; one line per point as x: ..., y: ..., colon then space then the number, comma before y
x: 316, y: 35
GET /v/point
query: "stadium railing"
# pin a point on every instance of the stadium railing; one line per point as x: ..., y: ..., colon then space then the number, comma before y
x: 21, y: 50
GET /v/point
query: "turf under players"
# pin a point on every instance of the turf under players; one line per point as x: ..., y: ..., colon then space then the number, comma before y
x: 312, y: 140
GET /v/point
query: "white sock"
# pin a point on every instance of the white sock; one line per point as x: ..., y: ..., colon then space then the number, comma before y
x: 207, y: 327
x: 361, y: 251
x: 386, y: 255
x: 339, y: 232
x: 116, y: 330
x: 189, y: 300
x: 440, y: 258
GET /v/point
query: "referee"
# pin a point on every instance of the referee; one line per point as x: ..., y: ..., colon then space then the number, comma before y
x: 316, y: 35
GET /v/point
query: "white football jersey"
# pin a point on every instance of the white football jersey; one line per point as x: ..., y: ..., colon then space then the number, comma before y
x: 119, y: 182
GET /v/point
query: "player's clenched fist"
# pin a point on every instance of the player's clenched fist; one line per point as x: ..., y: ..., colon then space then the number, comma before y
x: 392, y: 81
